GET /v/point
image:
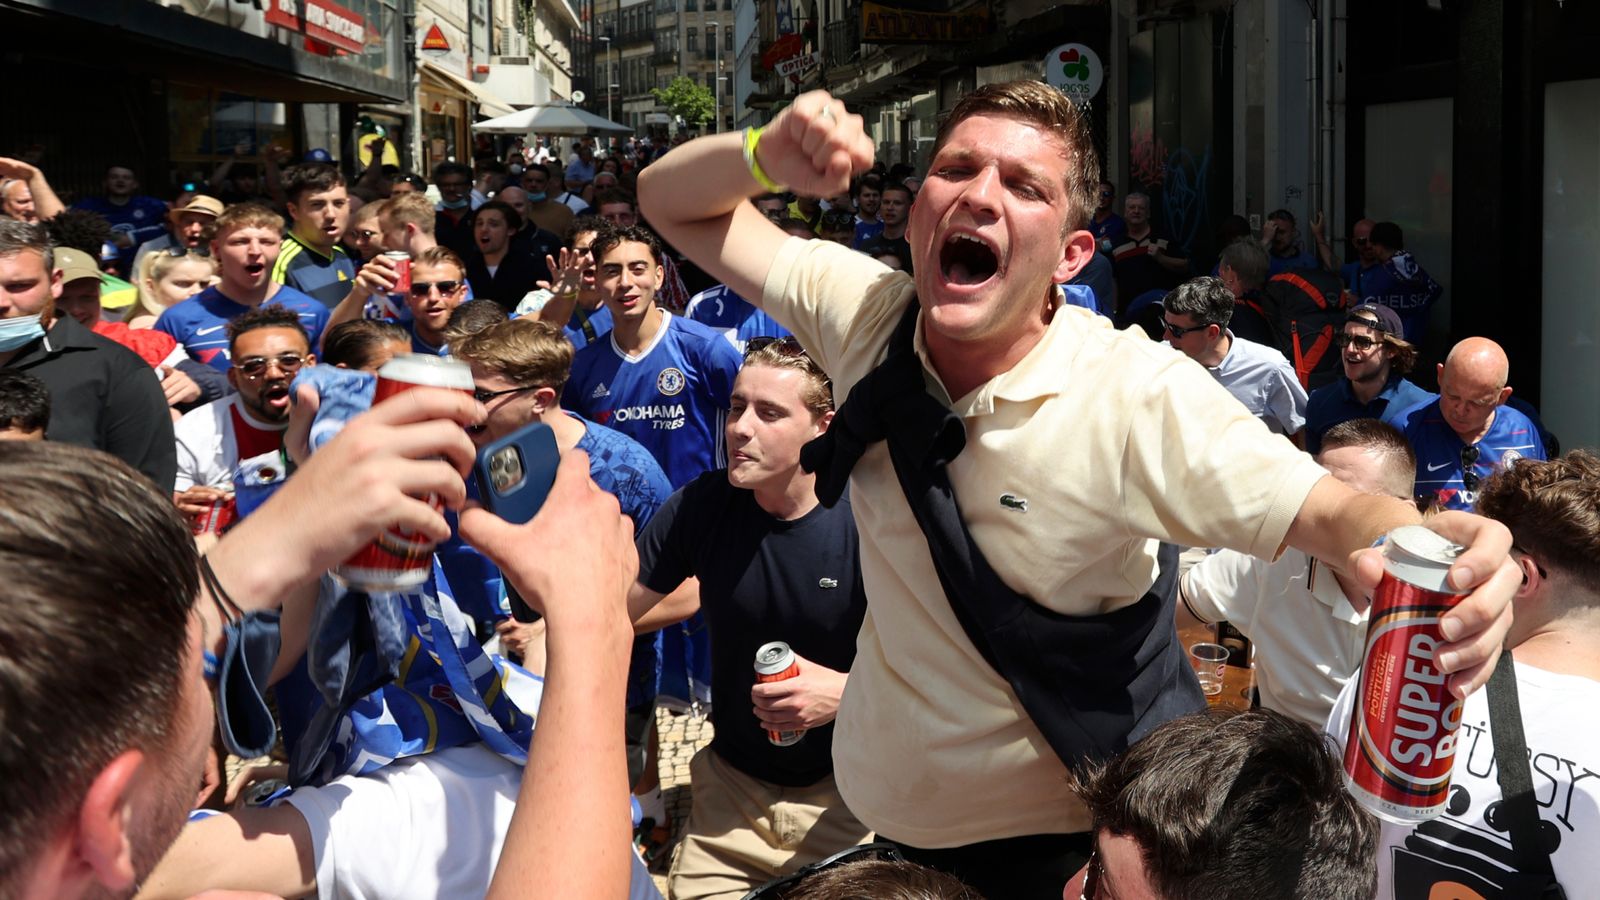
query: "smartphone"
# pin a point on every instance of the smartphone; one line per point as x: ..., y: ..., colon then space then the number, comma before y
x: 515, y: 473
x: 514, y: 476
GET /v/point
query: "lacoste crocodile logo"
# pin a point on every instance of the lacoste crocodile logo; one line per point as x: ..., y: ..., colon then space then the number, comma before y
x: 1012, y: 501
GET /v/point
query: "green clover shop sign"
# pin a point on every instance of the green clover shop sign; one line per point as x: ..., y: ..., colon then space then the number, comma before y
x: 1075, y: 70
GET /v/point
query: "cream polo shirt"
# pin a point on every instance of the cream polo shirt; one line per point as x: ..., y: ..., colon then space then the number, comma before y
x: 1114, y: 440
x: 1308, y: 638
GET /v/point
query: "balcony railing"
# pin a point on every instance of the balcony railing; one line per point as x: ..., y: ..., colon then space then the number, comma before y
x: 664, y: 58
x: 841, y: 40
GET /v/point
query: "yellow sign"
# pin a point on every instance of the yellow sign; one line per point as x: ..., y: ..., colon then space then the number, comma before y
x: 364, y: 151
x: 891, y: 25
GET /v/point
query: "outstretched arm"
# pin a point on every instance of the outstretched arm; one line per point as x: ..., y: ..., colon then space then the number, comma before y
x: 574, y: 562
x: 697, y: 195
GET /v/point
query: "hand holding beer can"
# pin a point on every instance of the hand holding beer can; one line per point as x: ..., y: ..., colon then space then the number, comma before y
x: 776, y: 662
x: 1401, y: 746
x: 396, y: 301
x: 399, y: 560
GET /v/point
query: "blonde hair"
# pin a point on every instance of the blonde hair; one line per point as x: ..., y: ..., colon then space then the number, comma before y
x: 526, y: 351
x: 413, y: 209
x: 817, y: 394
x: 152, y: 269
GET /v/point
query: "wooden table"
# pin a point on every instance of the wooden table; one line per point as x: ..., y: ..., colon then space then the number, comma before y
x: 1237, y: 681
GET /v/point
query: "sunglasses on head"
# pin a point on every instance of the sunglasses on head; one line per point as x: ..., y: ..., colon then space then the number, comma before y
x: 179, y: 252
x: 421, y: 288
x: 253, y: 367
x: 774, y: 890
x: 786, y: 346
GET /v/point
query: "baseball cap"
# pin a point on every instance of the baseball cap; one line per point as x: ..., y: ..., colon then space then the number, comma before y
x: 318, y: 155
x: 1388, y: 319
x: 200, y: 203
x: 76, y: 265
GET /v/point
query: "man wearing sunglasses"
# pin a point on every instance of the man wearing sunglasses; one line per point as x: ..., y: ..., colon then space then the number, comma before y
x: 438, y: 286
x: 1196, y: 317
x: 191, y: 221
x: 1376, y: 359
x: 1468, y: 432
x: 269, y: 347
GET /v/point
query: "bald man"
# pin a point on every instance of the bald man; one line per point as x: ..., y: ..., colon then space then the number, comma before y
x: 1468, y: 432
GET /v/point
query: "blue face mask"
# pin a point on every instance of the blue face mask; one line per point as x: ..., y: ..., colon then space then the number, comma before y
x: 18, y: 332
x: 537, y: 198
x: 456, y: 204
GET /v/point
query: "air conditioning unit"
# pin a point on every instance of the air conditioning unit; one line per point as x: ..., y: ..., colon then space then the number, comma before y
x: 514, y: 61
x: 515, y: 44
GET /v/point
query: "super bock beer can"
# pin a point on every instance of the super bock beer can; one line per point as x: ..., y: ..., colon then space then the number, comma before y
x: 1402, y: 740
x: 402, y: 282
x: 399, y: 560
x: 776, y: 662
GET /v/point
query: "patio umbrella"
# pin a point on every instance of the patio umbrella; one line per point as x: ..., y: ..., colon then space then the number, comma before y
x: 551, y: 120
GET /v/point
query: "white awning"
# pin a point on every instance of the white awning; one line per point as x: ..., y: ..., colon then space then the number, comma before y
x: 488, y: 104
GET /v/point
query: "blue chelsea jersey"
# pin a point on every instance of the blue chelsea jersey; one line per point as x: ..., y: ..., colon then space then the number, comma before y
x: 671, y: 398
x: 200, y: 323
x: 1443, y: 459
x: 720, y: 309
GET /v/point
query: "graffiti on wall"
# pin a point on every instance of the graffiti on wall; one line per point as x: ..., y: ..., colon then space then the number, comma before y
x: 1184, y: 204
x: 1148, y: 155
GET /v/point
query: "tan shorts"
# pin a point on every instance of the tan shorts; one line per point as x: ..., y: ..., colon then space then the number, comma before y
x: 743, y: 833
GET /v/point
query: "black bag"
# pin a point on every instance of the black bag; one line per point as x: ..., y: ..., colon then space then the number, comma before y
x: 1305, y: 309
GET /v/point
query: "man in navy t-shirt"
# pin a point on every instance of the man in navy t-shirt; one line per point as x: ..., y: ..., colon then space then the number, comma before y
x: 773, y: 565
x: 1463, y: 436
x: 134, y: 217
x: 247, y: 241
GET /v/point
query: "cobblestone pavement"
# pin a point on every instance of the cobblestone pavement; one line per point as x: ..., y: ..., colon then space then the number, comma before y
x: 681, y: 737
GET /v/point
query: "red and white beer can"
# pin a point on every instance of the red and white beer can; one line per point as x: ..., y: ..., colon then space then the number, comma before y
x: 402, y: 281
x: 776, y: 662
x: 1401, y: 746
x: 218, y: 516
x: 399, y: 560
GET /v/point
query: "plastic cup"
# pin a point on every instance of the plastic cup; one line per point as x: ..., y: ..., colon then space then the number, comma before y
x: 1209, y: 661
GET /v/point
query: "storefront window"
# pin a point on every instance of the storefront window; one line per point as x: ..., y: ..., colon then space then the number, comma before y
x: 206, y: 124
x: 1410, y: 181
x: 1570, y: 348
x: 363, y: 34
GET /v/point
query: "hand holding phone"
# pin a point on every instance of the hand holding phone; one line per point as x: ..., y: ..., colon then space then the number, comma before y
x: 514, y: 476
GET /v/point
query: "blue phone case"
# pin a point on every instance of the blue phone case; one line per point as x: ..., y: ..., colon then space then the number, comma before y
x: 515, y: 473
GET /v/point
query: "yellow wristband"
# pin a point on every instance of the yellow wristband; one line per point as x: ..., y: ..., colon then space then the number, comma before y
x: 752, y: 139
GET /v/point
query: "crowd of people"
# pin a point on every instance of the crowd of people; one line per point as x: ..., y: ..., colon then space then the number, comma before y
x: 909, y: 425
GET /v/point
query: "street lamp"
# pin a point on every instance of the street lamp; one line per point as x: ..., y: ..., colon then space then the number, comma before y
x: 607, y: 40
x: 716, y: 51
